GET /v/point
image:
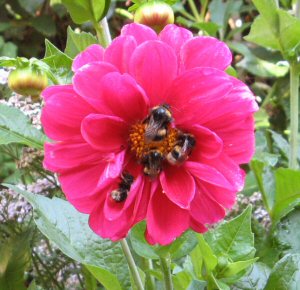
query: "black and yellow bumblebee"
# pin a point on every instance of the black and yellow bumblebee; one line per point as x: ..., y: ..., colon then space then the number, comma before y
x: 120, y: 194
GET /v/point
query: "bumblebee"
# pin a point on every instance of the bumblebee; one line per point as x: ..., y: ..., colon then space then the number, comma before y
x: 157, y: 123
x: 152, y: 162
x: 182, y: 150
x: 120, y: 194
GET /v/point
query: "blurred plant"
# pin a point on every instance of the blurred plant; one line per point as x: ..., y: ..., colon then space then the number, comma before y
x: 225, y: 257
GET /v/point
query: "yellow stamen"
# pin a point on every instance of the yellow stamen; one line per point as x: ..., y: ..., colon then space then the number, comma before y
x: 140, y: 148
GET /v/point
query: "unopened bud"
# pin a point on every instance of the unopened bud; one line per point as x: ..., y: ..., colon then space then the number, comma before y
x: 27, y: 82
x: 154, y: 14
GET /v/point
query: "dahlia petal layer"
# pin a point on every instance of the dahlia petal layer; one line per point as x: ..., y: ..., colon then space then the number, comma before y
x: 167, y: 223
x: 205, y: 51
x: 93, y: 53
x: 150, y: 69
x: 63, y: 112
x: 120, y: 51
x: 108, y: 134
x: 140, y: 32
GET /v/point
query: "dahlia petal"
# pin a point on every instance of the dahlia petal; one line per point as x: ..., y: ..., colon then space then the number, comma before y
x: 140, y: 32
x: 221, y: 195
x: 240, y: 100
x: 138, y: 195
x: 208, y: 173
x: 205, y: 51
x: 196, y: 87
x: 67, y: 155
x: 120, y: 51
x: 71, y: 181
x: 166, y: 223
x: 205, y: 210
x: 208, y: 143
x: 107, y: 134
x: 123, y: 97
x: 115, y: 229
x: 154, y: 71
x: 175, y: 36
x: 50, y: 91
x: 87, y: 81
x: 92, y: 53
x: 63, y: 112
x: 236, y: 131
x: 197, y: 227
x: 229, y: 169
x: 112, y: 209
x: 87, y: 203
x: 178, y: 185
x: 113, y: 167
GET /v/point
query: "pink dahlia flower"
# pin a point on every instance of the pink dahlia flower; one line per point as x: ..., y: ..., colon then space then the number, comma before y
x: 109, y: 135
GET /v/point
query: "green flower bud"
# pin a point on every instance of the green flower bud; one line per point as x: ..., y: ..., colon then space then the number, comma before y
x: 27, y: 82
x: 154, y: 14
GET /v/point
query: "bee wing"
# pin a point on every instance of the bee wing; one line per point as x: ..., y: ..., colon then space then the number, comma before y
x: 151, y: 130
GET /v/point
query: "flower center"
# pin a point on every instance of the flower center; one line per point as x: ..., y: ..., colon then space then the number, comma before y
x: 155, y: 140
x: 140, y: 147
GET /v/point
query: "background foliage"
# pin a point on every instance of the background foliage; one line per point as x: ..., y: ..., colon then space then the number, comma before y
x: 51, y: 246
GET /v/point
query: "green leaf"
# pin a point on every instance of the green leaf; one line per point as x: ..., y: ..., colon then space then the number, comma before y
x: 31, y: 6
x: 44, y: 24
x: 275, y: 28
x: 289, y: 31
x: 182, y: 280
x: 287, y: 192
x: 219, y: 284
x: 221, y: 12
x: 233, y: 268
x: 266, y: 182
x: 77, y: 42
x: 89, y: 280
x: 287, y: 233
x: 179, y: 248
x: 69, y: 230
x: 255, y: 279
x: 9, y: 49
x: 14, y: 259
x: 233, y: 239
x: 282, y: 144
x: 209, y: 259
x: 256, y: 65
x: 261, y: 34
x: 197, y: 285
x: 105, y: 278
x: 15, y: 127
x: 87, y: 10
x: 267, y: 8
x: 59, y: 62
x: 285, y: 274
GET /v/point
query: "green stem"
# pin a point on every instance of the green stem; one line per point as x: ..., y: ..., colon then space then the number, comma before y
x: 165, y: 264
x: 203, y: 10
x: 103, y: 33
x: 294, y: 112
x: 297, y: 9
x: 194, y: 10
x: 150, y: 281
x: 132, y: 266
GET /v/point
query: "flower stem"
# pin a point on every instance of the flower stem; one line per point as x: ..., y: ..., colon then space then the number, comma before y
x: 165, y: 263
x: 297, y: 9
x: 132, y: 266
x: 103, y: 33
x: 294, y: 111
x: 194, y: 10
